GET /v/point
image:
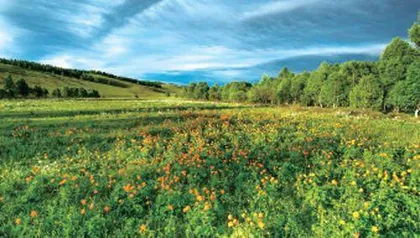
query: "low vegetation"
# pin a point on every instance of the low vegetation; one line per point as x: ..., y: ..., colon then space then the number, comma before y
x: 169, y: 168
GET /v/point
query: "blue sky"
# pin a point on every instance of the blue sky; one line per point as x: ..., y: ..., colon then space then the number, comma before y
x: 191, y: 40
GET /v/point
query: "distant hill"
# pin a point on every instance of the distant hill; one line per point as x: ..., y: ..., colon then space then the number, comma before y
x: 108, y: 85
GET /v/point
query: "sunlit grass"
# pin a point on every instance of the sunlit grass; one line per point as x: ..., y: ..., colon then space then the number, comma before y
x: 183, y: 168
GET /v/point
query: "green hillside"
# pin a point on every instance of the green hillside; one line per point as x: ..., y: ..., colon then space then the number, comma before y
x: 116, y: 88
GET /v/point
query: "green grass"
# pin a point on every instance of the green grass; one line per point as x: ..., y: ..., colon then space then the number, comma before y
x: 167, y: 168
x: 51, y: 82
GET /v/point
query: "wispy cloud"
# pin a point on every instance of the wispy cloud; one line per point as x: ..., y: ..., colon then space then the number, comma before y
x: 8, y: 35
x: 198, y: 38
x: 277, y: 6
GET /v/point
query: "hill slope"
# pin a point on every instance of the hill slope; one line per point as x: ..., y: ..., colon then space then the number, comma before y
x: 108, y: 87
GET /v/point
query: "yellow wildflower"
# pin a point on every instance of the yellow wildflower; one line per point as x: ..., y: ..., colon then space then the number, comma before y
x: 143, y: 228
x: 356, y: 215
x: 186, y: 209
x: 34, y: 213
x: 261, y: 224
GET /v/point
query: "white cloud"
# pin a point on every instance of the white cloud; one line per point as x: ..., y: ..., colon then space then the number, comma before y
x: 64, y: 61
x: 82, y: 19
x: 276, y: 7
x: 198, y: 58
x: 74, y: 60
x: 158, y: 39
x: 8, y: 35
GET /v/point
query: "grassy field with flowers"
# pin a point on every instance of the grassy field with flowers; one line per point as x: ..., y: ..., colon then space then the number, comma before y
x: 128, y: 168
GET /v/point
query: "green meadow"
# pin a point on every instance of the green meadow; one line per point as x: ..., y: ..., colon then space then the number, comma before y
x: 176, y: 168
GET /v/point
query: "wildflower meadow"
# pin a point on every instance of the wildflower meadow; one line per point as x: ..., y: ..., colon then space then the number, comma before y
x: 133, y: 168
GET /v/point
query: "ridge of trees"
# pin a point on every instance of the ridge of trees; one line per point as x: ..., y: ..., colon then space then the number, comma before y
x: 78, y: 74
x: 391, y: 83
x: 21, y: 89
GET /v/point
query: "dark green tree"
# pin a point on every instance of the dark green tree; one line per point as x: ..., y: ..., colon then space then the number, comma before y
x: 83, y: 93
x: 67, y: 92
x: 3, y: 94
x: 94, y: 94
x: 38, y: 91
x: 10, y: 87
x: 22, y: 88
x: 56, y: 93
x: 45, y: 92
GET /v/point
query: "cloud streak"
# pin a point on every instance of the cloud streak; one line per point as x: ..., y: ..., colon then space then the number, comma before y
x: 213, y: 39
x: 276, y: 7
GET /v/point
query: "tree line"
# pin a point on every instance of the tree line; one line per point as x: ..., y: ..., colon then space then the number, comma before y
x: 21, y: 89
x: 78, y: 74
x: 392, y: 83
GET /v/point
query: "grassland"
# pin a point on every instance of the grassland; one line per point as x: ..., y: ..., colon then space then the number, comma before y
x: 52, y: 81
x: 148, y: 168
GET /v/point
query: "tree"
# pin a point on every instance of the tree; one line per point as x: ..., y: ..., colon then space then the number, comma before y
x: 283, y: 91
x: 83, y: 93
x: 285, y: 74
x: 38, y: 91
x: 214, y: 93
x: 393, y: 65
x: 264, y: 91
x: 413, y: 83
x: 9, y: 86
x: 94, y: 94
x: 315, y: 82
x: 405, y: 96
x: 45, y: 92
x: 76, y: 92
x: 22, y: 88
x: 297, y: 86
x: 190, y: 90
x: 67, y: 92
x: 399, y: 49
x: 261, y: 93
x: 56, y: 93
x: 3, y: 94
x: 367, y: 94
x: 415, y: 34
x: 201, y: 91
x: 236, y: 91
x: 414, y: 31
x: 333, y: 92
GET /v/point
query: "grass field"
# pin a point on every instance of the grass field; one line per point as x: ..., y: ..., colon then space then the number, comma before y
x: 184, y: 169
x: 52, y: 81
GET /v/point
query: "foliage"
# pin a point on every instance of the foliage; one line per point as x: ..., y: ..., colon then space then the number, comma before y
x: 120, y: 168
x: 389, y: 84
x: 367, y: 94
x: 415, y: 34
x: 21, y: 89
